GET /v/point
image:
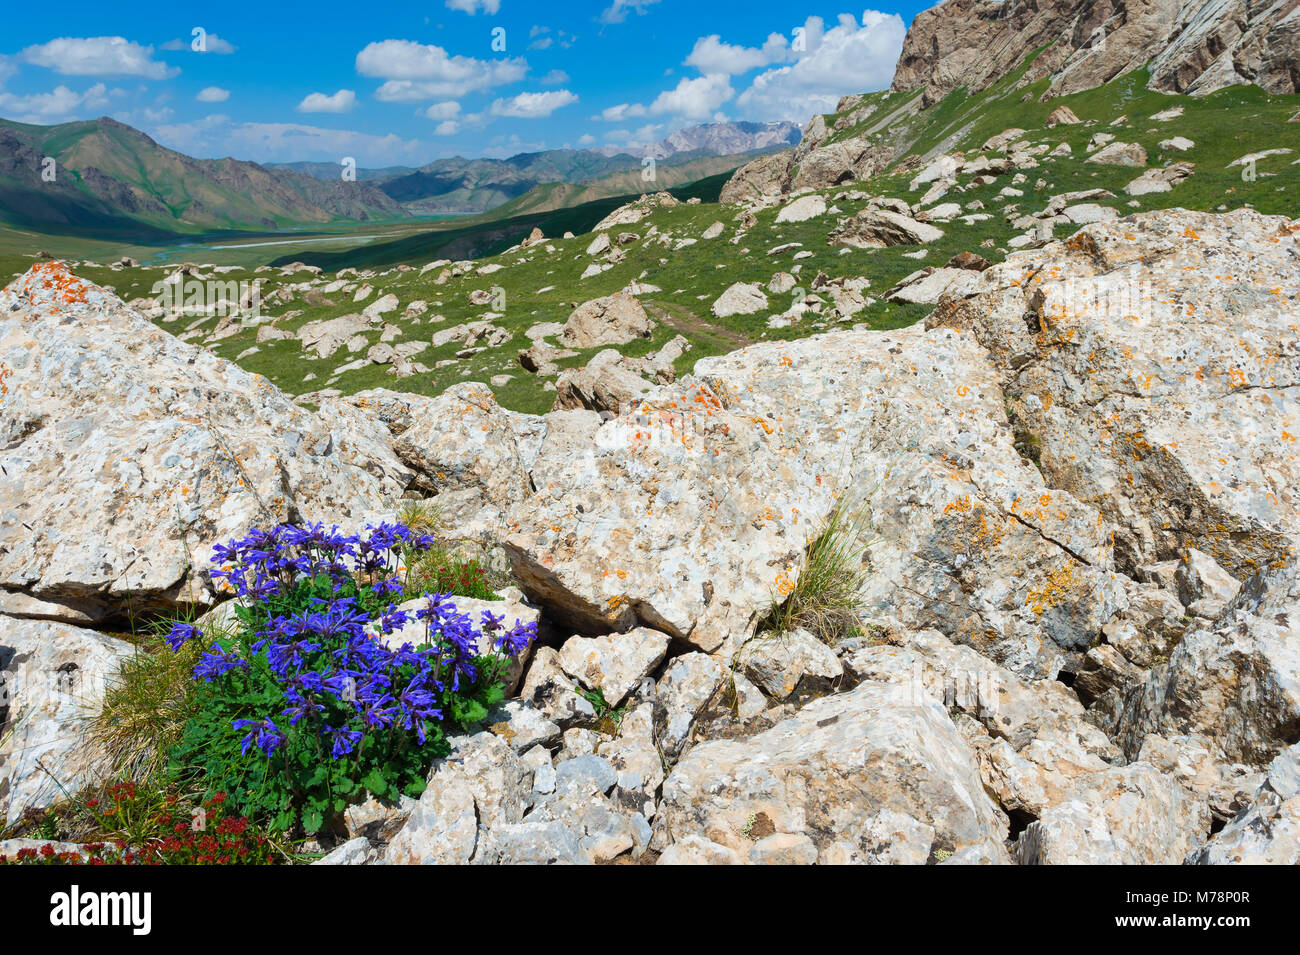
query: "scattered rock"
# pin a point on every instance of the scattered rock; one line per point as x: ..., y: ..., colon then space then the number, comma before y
x: 611, y: 320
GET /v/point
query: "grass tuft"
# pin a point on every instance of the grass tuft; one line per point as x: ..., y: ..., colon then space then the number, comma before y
x: 147, y: 705
x: 827, y: 593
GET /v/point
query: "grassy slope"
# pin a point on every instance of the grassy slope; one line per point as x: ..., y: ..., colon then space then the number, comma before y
x: 1224, y: 126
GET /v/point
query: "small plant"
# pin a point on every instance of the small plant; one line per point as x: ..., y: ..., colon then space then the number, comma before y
x: 827, y: 593
x: 606, y: 714
x: 303, y: 707
x: 422, y: 517
x: 433, y: 567
x: 137, y: 825
x: 439, y: 571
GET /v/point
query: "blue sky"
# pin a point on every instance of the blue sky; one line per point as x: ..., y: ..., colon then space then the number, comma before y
x: 397, y: 83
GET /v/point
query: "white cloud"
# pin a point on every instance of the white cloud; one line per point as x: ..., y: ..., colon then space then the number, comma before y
x: 621, y: 112
x: 533, y: 105
x: 503, y: 147
x: 490, y: 7
x: 554, y: 78
x: 340, y: 102
x: 695, y: 98
x: 617, y: 11
x: 712, y: 55
x: 7, y: 69
x: 218, y: 135
x: 58, y: 105
x: 98, y: 56
x: 543, y: 38
x: 144, y: 116
x: 848, y: 58
x: 586, y: 139
x: 447, y: 110
x: 417, y: 71
x: 213, y: 94
x: 211, y: 44
x: 448, y: 127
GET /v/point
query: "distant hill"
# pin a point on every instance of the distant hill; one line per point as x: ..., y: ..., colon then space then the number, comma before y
x: 488, y: 236
x: 459, y: 186
x: 332, y: 170
x: 669, y: 175
x: 111, y: 178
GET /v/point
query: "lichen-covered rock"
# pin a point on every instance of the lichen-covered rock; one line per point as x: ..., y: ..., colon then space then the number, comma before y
x: 687, y: 685
x: 1111, y: 347
x: 1235, y: 682
x: 802, y: 209
x: 778, y: 662
x: 128, y: 453
x: 695, y: 505
x: 614, y: 663
x: 741, y: 298
x: 876, y: 228
x: 472, y: 452
x: 611, y: 320
x: 1120, y: 154
x: 848, y: 160
x: 482, y: 784
x: 760, y: 181
x: 1267, y: 831
x: 608, y: 382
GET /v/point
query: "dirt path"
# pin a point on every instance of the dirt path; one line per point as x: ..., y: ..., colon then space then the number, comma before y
x: 692, y: 326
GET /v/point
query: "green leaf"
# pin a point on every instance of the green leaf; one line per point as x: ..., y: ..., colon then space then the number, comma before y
x: 376, y: 782
x: 313, y: 820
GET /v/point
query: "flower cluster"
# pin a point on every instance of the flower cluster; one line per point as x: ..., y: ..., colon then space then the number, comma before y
x: 177, y: 834
x: 319, y: 613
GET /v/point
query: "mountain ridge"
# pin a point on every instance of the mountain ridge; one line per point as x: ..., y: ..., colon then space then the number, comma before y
x: 106, y: 169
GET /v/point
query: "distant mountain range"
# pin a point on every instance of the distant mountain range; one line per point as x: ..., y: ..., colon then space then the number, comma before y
x: 112, y: 181
x: 460, y: 186
x: 109, y: 178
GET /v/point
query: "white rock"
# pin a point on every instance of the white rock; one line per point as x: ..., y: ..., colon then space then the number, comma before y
x: 614, y: 663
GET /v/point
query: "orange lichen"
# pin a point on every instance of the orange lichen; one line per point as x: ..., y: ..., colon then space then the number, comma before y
x: 1053, y: 591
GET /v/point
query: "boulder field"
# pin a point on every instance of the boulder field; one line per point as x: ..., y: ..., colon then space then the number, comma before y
x: 1080, y: 630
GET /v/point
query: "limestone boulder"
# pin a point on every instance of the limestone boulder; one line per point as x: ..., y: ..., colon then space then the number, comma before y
x: 611, y: 320
x: 692, y: 511
x: 1131, y: 815
x: 876, y: 228
x: 53, y: 678
x: 1112, y: 349
x: 827, y: 772
x: 128, y: 453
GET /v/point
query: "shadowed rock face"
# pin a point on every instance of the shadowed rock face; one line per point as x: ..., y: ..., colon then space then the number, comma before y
x: 1192, y: 46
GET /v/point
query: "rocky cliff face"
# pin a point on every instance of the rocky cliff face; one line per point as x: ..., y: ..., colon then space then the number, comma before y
x: 1191, y: 46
